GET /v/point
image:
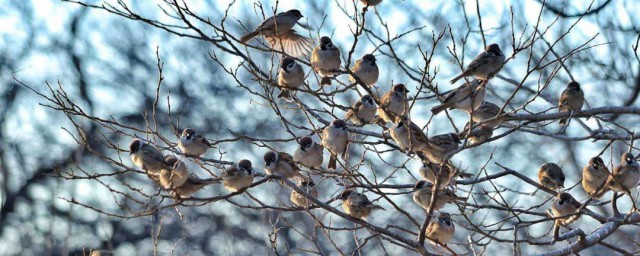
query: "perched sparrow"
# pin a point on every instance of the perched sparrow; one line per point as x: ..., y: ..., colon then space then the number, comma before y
x: 571, y: 99
x: 357, y: 205
x: 441, y: 229
x: 394, y: 103
x: 408, y: 135
x: 191, y: 185
x: 479, y: 134
x: 278, y: 30
x: 371, y: 2
x: 280, y: 163
x: 440, y: 147
x: 467, y: 97
x: 335, y: 138
x: 238, y: 176
x: 291, y: 76
x: 485, y: 66
x: 594, y: 177
x: 625, y: 176
x: 431, y: 172
x: 366, y: 70
x: 550, y: 176
x: 176, y: 175
x: 362, y: 112
x: 564, y: 205
x: 324, y: 59
x: 299, y: 199
x: 423, y: 192
x: 147, y: 157
x: 485, y: 112
x: 309, y: 153
x: 193, y: 144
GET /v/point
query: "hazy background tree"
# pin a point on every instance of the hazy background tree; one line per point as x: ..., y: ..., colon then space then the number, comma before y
x: 108, y: 65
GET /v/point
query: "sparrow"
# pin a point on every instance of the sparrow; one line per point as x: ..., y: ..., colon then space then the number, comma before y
x: 324, y: 59
x: 550, y: 176
x: 238, y: 176
x: 147, y: 157
x: 280, y: 163
x: 335, y: 138
x: 571, y: 99
x: 441, y: 147
x: 479, y: 134
x: 371, y: 2
x: 441, y: 229
x: 394, y: 103
x: 486, y: 111
x: 431, y: 172
x: 564, y: 205
x: 362, y: 112
x: 485, y: 66
x: 625, y: 176
x: 309, y: 153
x: 299, y: 199
x: 408, y: 135
x: 423, y: 192
x: 174, y: 176
x: 193, y: 144
x: 366, y: 70
x: 191, y: 185
x: 357, y: 205
x: 278, y: 30
x: 291, y: 76
x: 594, y: 177
x: 468, y: 97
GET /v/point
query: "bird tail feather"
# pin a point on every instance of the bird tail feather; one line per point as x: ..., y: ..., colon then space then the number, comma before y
x: 455, y: 79
x: 325, y: 81
x: 247, y: 37
x: 332, y: 162
x: 437, y: 109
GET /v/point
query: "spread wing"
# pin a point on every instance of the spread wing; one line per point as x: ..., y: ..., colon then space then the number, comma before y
x: 291, y: 43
